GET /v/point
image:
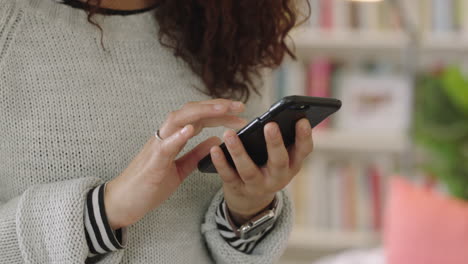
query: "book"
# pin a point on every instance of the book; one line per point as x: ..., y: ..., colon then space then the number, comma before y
x: 372, y: 13
x: 314, y: 19
x: 349, y: 199
x: 363, y: 199
x: 319, y: 81
x: 442, y: 16
x: 335, y: 196
x: 425, y: 19
x: 368, y: 17
x: 341, y: 15
x: 298, y: 194
x: 316, y: 211
x: 458, y: 14
x: 463, y: 17
x: 295, y: 78
x: 354, y: 15
x: 412, y: 11
x: 280, y: 82
x: 326, y: 14
x: 376, y: 194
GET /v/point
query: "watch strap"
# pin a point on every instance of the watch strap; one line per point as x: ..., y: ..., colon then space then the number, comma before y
x: 259, y: 223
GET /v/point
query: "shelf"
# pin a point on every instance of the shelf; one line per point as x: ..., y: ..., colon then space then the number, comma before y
x: 315, y: 40
x: 330, y: 140
x: 319, y: 240
x: 308, y: 41
x: 445, y: 42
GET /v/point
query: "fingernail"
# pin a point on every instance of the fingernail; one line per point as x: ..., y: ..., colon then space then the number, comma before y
x: 218, y: 107
x: 231, y: 140
x: 273, y: 131
x: 306, y: 128
x: 184, y: 130
x: 215, y: 154
x: 236, y: 105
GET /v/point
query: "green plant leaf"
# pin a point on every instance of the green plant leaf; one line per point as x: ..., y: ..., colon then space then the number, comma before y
x: 456, y: 87
x: 440, y: 126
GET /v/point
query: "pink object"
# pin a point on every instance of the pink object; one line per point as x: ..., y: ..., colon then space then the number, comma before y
x: 326, y: 18
x: 319, y: 80
x: 424, y: 227
x: 375, y: 182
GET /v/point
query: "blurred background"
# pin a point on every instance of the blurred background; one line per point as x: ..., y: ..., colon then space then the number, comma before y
x: 399, y: 67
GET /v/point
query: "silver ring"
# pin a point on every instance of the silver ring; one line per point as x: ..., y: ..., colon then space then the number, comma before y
x: 156, y: 134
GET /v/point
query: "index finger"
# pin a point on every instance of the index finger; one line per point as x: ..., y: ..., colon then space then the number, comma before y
x: 234, y: 106
x: 192, y: 113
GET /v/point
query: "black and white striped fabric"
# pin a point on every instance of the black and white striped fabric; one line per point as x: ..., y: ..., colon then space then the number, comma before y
x: 227, y: 232
x: 102, y: 239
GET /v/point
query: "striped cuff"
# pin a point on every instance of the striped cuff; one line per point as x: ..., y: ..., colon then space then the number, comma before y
x: 226, y: 231
x: 100, y: 237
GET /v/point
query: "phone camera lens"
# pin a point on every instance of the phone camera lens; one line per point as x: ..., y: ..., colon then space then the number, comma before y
x: 299, y: 107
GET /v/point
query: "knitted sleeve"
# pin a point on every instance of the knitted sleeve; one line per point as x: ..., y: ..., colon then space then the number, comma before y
x: 46, y: 225
x: 226, y: 229
x: 268, y: 250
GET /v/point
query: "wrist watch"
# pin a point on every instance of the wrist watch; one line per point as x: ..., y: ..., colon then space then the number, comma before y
x: 258, y: 223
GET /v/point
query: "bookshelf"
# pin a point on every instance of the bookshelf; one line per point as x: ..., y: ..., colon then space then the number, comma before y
x: 333, y: 140
x: 441, y: 36
x: 452, y: 43
x: 323, y: 243
x: 309, y: 41
x: 304, y: 238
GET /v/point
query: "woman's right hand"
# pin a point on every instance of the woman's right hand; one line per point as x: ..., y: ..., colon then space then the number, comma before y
x: 154, y: 174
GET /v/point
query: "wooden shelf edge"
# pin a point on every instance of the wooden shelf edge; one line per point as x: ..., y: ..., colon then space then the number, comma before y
x: 360, y: 141
x: 310, y: 239
x: 311, y: 39
x: 348, y: 40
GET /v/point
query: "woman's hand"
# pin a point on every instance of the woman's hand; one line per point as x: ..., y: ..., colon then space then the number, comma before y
x: 251, y: 189
x: 154, y: 174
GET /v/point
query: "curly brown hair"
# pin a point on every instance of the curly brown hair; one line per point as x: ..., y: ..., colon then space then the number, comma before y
x: 225, y: 42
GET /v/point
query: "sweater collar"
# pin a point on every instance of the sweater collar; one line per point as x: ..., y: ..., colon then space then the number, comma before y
x: 119, y: 26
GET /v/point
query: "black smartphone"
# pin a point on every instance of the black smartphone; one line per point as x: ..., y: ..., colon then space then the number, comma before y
x: 286, y: 112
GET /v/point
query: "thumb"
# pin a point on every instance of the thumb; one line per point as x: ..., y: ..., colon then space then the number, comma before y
x: 187, y: 163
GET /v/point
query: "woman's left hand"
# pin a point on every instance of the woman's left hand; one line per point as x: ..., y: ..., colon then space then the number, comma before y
x: 250, y: 189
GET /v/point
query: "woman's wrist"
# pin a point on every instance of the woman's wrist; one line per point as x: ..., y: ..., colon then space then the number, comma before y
x: 241, y: 217
x: 110, y: 207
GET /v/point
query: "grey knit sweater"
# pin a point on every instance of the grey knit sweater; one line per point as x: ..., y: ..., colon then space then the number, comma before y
x: 73, y: 116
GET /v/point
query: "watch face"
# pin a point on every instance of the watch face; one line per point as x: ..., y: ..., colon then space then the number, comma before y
x: 257, y: 224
